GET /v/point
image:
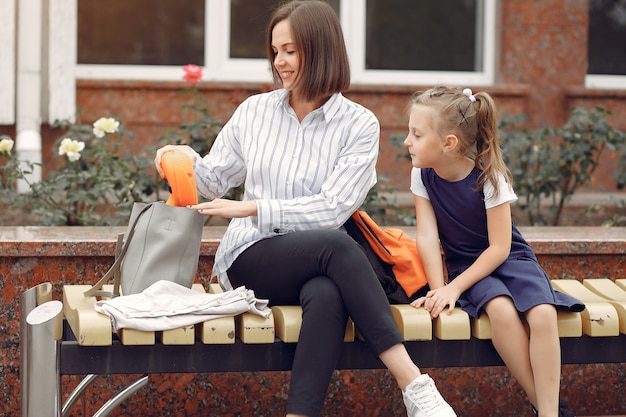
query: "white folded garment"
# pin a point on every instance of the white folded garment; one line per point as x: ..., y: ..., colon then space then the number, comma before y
x: 166, y: 305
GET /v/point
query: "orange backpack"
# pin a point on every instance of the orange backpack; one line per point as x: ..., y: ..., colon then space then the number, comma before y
x: 395, y: 248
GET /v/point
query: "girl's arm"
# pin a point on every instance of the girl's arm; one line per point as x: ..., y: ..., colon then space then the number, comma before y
x: 499, y: 229
x: 428, y: 247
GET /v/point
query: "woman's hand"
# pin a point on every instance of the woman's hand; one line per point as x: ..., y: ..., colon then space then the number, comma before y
x: 227, y: 208
x: 436, y: 300
x: 172, y: 148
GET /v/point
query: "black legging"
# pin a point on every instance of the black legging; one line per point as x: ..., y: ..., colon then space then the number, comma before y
x: 327, y: 273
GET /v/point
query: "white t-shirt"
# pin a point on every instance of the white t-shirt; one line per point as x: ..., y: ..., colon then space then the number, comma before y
x: 505, y: 190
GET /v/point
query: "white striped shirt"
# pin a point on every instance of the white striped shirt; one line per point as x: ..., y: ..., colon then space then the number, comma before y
x: 303, y: 175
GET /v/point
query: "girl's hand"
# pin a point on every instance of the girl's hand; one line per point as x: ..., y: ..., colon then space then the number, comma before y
x: 227, y: 208
x: 172, y: 148
x: 436, y: 300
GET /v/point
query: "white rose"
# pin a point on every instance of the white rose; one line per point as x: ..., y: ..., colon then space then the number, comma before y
x: 105, y: 125
x: 6, y: 145
x: 71, y: 148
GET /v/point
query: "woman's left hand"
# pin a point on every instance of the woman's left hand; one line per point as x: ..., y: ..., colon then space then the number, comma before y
x: 227, y: 208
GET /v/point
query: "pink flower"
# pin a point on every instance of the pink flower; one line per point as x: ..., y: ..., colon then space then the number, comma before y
x: 193, y: 73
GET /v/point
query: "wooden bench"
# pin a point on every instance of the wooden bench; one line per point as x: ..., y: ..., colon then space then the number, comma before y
x: 251, y: 343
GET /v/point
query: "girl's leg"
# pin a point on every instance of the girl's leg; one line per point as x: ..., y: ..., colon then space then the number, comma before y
x: 545, y: 357
x: 510, y: 339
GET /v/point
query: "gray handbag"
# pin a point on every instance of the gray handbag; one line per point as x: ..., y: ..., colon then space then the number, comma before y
x: 162, y: 243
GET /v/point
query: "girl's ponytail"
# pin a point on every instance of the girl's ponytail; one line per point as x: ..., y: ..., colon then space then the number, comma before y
x: 474, y: 120
x: 488, y: 153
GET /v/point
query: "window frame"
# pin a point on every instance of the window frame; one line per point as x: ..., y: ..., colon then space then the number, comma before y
x: 221, y: 68
x: 8, y: 64
x: 605, y: 82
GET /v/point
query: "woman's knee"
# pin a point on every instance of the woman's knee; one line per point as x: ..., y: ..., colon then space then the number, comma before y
x: 321, y: 296
x: 338, y: 241
x: 320, y: 290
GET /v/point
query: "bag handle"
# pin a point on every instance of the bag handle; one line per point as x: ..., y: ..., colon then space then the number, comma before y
x: 119, y: 256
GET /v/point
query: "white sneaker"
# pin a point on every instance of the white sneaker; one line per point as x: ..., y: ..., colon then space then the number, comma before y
x: 422, y: 399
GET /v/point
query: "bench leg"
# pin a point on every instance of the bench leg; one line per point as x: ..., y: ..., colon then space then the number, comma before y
x: 41, y: 321
x: 76, y: 393
x: 121, y: 396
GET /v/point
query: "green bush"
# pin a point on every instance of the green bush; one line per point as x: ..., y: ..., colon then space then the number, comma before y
x: 550, y: 164
x: 96, y: 185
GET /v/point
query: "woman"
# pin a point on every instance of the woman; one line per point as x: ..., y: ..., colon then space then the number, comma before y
x: 307, y: 157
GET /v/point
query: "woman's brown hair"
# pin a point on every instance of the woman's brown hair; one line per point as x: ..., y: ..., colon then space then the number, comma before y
x: 324, y: 66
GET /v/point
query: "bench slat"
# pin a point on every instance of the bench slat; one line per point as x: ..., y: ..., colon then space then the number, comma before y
x: 288, y: 322
x: 454, y: 326
x: 481, y: 327
x: 615, y: 295
x: 251, y: 328
x: 570, y: 323
x: 413, y: 323
x: 90, y: 327
x: 134, y: 337
x: 599, y: 317
x: 185, y: 335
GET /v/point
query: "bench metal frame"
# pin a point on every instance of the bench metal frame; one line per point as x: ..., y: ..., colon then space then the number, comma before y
x: 278, y: 356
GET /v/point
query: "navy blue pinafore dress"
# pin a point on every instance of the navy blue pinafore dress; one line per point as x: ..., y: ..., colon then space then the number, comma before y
x: 462, y: 222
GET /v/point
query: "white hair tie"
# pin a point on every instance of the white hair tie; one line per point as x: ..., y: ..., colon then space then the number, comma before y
x: 468, y: 93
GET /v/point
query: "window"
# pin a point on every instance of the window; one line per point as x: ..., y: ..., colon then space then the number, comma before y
x: 111, y: 32
x: 607, y: 29
x: 247, y: 26
x: 389, y: 41
x: 424, y: 42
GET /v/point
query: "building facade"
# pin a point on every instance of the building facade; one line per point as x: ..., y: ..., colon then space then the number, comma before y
x: 94, y: 58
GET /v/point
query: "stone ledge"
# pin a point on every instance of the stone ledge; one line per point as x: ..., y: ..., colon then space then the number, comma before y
x: 31, y: 240
x: 81, y: 255
x: 564, y: 252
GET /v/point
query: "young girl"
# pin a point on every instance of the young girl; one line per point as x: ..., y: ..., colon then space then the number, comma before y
x: 462, y: 193
x: 307, y: 156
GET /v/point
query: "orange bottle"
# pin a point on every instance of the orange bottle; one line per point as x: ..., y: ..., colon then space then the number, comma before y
x: 179, y: 174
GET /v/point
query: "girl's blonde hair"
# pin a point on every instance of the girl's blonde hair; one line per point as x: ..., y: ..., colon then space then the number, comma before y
x: 474, y: 120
